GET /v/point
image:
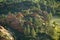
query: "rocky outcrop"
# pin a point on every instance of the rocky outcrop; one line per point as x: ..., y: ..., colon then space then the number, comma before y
x: 4, y: 34
x: 14, y: 22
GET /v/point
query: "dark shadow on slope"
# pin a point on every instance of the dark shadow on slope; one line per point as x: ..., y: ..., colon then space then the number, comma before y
x: 44, y: 36
x: 16, y: 7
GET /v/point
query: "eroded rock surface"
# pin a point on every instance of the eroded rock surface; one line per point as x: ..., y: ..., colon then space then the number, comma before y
x: 4, y: 34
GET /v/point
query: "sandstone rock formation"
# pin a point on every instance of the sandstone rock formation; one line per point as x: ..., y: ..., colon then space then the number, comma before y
x: 4, y: 34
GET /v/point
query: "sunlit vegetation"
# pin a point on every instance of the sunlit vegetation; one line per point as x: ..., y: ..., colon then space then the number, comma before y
x: 31, y: 19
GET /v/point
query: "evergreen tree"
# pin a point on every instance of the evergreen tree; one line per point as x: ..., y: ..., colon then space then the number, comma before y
x: 33, y: 33
x: 28, y: 30
x: 25, y: 31
x: 37, y: 29
x: 31, y: 19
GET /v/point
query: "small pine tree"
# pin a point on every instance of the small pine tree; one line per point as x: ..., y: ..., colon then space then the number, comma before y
x: 25, y: 29
x: 36, y: 29
x: 28, y: 29
x: 33, y: 33
x: 30, y: 19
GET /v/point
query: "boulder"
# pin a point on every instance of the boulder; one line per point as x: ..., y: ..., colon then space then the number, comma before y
x: 5, y: 34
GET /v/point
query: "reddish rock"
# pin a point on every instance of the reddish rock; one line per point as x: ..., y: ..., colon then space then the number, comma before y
x: 10, y: 17
x: 13, y: 22
x: 19, y: 15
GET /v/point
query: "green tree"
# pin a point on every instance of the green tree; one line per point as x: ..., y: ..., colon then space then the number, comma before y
x: 28, y: 29
x: 38, y: 21
x: 33, y: 33
x: 25, y: 31
x: 31, y: 19
x: 37, y: 29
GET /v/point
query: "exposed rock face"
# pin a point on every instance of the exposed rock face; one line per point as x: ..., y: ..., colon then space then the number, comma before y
x: 19, y: 15
x: 13, y: 22
x: 4, y: 34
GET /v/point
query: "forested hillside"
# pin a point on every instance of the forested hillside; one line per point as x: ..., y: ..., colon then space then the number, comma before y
x: 51, y: 6
x: 31, y: 19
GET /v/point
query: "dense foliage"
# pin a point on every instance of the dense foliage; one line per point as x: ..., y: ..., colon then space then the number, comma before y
x: 30, y: 19
x: 52, y: 6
